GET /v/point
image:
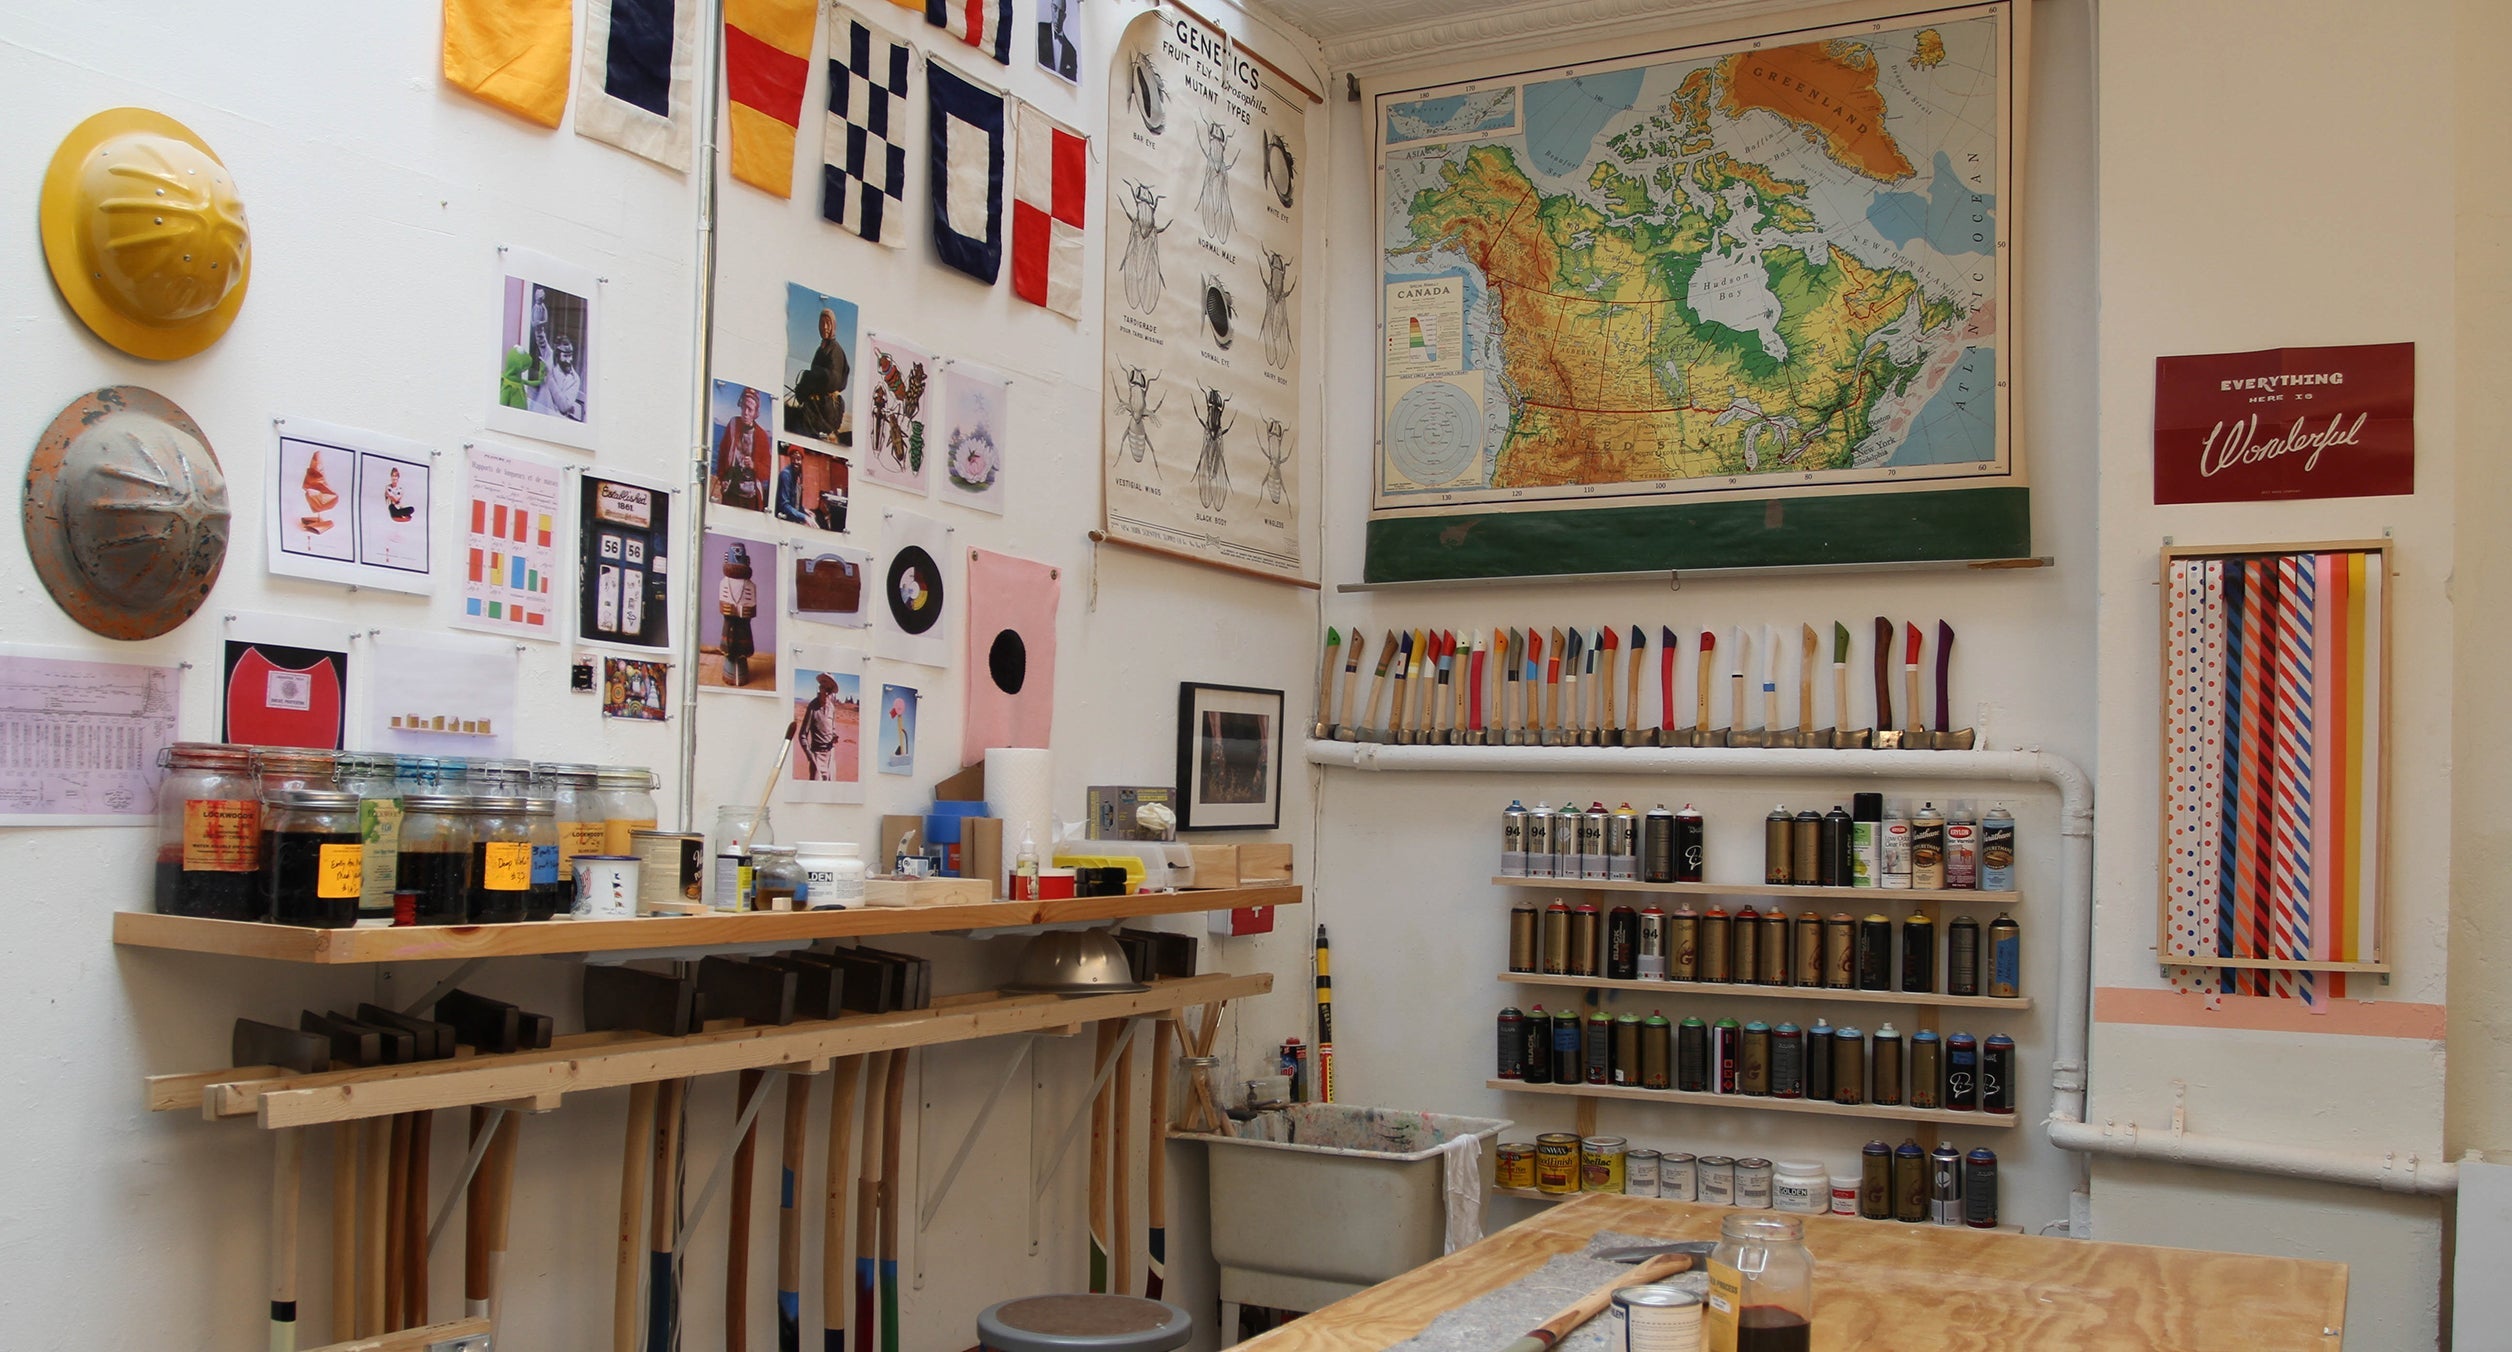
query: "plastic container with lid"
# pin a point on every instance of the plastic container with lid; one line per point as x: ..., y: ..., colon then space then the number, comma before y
x: 1801, y: 1187
x: 833, y: 874
x: 376, y: 780
x: 627, y: 793
x: 501, y: 860
x: 577, y: 790
x: 776, y: 880
x: 435, y: 859
x: 209, y: 832
x: 1761, y: 1291
x: 314, y: 859
x: 548, y: 893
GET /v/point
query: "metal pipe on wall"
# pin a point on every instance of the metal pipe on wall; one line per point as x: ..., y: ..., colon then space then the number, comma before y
x: 702, y: 350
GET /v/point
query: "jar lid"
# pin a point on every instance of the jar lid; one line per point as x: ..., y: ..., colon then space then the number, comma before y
x: 538, y: 807
x: 835, y: 849
x: 498, y: 804
x: 501, y: 767
x: 1815, y: 1167
x: 567, y: 770
x: 1753, y: 1164
x: 627, y: 777
x: 205, y: 756
x: 335, y: 799
x: 437, y: 802
x: 295, y: 758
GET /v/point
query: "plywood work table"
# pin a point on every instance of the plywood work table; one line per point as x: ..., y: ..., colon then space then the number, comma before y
x: 1886, y: 1287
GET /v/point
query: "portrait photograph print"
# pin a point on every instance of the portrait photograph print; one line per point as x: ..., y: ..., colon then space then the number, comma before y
x: 819, y: 366
x: 811, y: 487
x: 737, y: 614
x: 743, y: 462
x: 545, y: 350
x: 347, y: 506
x: 1060, y: 38
x: 1229, y: 758
x: 824, y: 697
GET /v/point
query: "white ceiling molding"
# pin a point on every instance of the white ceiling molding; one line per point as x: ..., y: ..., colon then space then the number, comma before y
x: 1547, y: 22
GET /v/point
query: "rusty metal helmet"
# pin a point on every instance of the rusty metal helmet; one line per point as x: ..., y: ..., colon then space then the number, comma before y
x: 145, y: 233
x: 126, y: 512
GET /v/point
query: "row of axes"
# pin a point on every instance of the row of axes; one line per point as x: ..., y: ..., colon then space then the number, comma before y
x: 1510, y: 688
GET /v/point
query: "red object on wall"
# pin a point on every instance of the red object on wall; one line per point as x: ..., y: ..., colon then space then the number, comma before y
x: 1239, y: 922
x: 2288, y: 422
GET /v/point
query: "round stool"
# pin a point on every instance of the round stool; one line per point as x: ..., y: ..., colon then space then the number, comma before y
x: 1083, y: 1324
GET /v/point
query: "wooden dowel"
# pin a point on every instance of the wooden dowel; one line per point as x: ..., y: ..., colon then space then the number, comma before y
x: 414, y: 1214
x: 500, y: 1166
x: 840, y: 1161
x: 1099, y: 1158
x: 635, y: 1167
x: 344, y: 1231
x: 475, y: 1224
x: 789, y: 1212
x: 662, y: 1302
x: 374, y: 1174
x: 287, y: 1193
x: 893, y: 1104
x: 396, y: 1223
x: 1121, y: 1175
x: 1156, y: 1204
x: 868, y: 1200
x: 737, y: 1219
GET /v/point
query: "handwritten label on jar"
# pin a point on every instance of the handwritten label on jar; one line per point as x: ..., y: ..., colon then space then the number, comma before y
x: 343, y: 871
x: 507, y: 866
x: 221, y: 835
x: 575, y: 838
x: 544, y: 865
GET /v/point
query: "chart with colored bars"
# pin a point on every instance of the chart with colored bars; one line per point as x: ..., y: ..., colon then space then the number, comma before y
x: 512, y: 544
x: 2273, y: 732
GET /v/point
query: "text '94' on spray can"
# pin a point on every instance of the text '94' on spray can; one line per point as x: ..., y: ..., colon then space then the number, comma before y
x: 1690, y: 845
x: 1622, y: 845
x: 1652, y: 943
x: 1535, y: 840
x: 1593, y: 865
x: 1997, y: 850
x: 1513, y: 840
x: 1980, y: 1189
x: 2006, y: 957
x: 1657, y: 845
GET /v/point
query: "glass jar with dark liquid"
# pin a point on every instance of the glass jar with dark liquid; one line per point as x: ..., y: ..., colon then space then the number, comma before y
x: 209, y: 832
x: 548, y: 893
x: 1761, y: 1288
x: 501, y: 860
x: 312, y: 857
x: 435, y: 860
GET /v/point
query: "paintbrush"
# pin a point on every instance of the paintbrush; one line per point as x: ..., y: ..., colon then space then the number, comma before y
x: 635, y: 1171
x: 1156, y: 1208
x: 893, y: 1105
x: 868, y: 1204
x: 1611, y: 642
x: 1737, y: 733
x: 1552, y: 693
x: 1325, y: 686
x: 287, y: 1186
x: 838, y: 1152
x: 1371, y: 728
x: 791, y: 1147
x: 1915, y: 735
x: 1806, y: 735
x: 1668, y: 649
x: 1948, y: 738
x: 1404, y: 677
x: 661, y: 1300
x: 1346, y: 730
x: 738, y: 1201
x: 1887, y: 737
x: 1701, y: 733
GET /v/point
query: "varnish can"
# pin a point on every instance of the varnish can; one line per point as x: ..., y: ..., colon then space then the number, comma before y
x: 1805, y: 849
x: 1746, y: 928
x: 1657, y: 845
x: 1514, y: 1165
x: 1557, y: 938
x: 1753, y: 1184
x: 669, y: 867
x: 1875, y: 1181
x: 1522, y: 937
x: 1774, y: 968
x: 1683, y: 943
x: 1716, y: 943
x: 1557, y: 1163
x: 1622, y: 845
x: 1779, y: 848
x: 1717, y: 1182
x: 1639, y: 1171
x: 1678, y: 1176
x: 1513, y: 840
x: 1927, y: 848
x: 1753, y: 1069
x: 1657, y: 1038
x: 1895, y: 850
x: 1806, y: 969
x: 1962, y: 850
x: 1910, y: 1183
x: 1583, y: 926
x: 1997, y: 850
x: 1652, y: 943
x: 1689, y: 839
x: 1656, y: 1318
x: 1601, y: 1163
x: 1840, y: 963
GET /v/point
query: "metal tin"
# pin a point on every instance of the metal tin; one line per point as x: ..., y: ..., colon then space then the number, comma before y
x: 2006, y: 957
x: 1962, y: 956
x: 1866, y: 840
x: 1683, y: 943
x: 1753, y: 1184
x: 1962, y: 849
x: 1745, y: 932
x: 1840, y: 963
x: 1626, y: 1058
x: 1893, y: 835
x: 1538, y: 841
x: 1918, y: 953
x: 1788, y: 1061
x: 1601, y: 1163
x: 1927, y: 1069
x: 1513, y: 840
x: 1522, y: 936
x: 1652, y: 943
x: 1835, y: 866
x: 1805, y: 848
x: 1753, y: 1066
x: 1875, y: 954
x: 1875, y: 1181
x: 1656, y: 1318
x: 1725, y: 1051
x: 1622, y: 845
x: 669, y: 867
x: 1962, y: 1073
x: 1692, y: 1056
x: 1778, y: 848
x: 1557, y: 1163
x: 1927, y: 848
x: 1583, y: 927
x: 1806, y: 969
x: 1849, y: 1065
x: 1910, y: 1183
x: 1593, y: 866
x: 1716, y: 943
x: 1537, y: 1057
x: 1774, y: 966
x: 1679, y: 1176
x: 1514, y: 1164
x: 1557, y: 938
x: 1980, y: 1189
x: 1568, y: 1065
x: 1689, y: 845
x: 1512, y: 1044
x: 1639, y: 1171
x: 1597, y: 1050
x: 1657, y: 845
x: 1997, y: 850
x: 1657, y: 1038
x: 1884, y: 1067
x: 1565, y: 835
x: 1716, y: 1184
x: 1622, y: 944
x: 606, y: 886
x: 1997, y: 1075
x: 1818, y: 1060
x: 1945, y: 1178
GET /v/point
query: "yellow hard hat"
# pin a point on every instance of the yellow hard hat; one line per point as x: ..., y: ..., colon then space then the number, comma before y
x: 145, y: 233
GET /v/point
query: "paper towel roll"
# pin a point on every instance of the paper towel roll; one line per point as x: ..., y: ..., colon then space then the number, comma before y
x: 1017, y: 790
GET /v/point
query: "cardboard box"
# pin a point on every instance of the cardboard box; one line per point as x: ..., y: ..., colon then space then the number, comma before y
x: 1111, y: 810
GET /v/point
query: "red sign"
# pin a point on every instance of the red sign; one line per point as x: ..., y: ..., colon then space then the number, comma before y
x: 2290, y: 422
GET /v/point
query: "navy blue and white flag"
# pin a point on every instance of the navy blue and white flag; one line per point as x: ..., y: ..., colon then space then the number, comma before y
x: 639, y: 65
x: 983, y: 24
x: 863, y: 179
x: 968, y: 137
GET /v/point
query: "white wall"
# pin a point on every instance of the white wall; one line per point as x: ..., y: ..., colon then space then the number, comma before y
x: 378, y: 197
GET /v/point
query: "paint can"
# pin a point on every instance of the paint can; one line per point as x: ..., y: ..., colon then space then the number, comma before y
x: 1753, y: 1066
x: 1557, y: 938
x: 1962, y: 956
x: 1962, y: 848
x: 1849, y: 1065
x: 1598, y: 1048
x: 1818, y: 1060
x: 1622, y: 845
x: 1657, y: 845
x: 1716, y: 943
x: 1683, y: 943
x: 1927, y: 849
x: 1875, y: 1181
x: 1745, y: 964
x: 1962, y: 1073
x: 1512, y: 1044
x: 2006, y: 957
x: 1918, y: 953
x: 1639, y: 1171
x: 1875, y: 953
x: 1565, y: 843
x: 1778, y: 847
x: 1536, y: 1052
x: 1657, y: 1038
x: 1807, y: 969
x: 1716, y: 1185
x: 1568, y: 1065
x: 1753, y: 1184
x: 1689, y: 843
x: 1840, y: 963
x: 1844, y: 1195
x: 1910, y: 1183
x: 1536, y: 841
x: 606, y: 887
x: 1522, y: 936
x: 1622, y: 943
x: 1893, y: 833
x: 1801, y: 1187
x: 1514, y: 1165
x: 1513, y: 840
x: 1866, y: 840
x: 1927, y: 1069
x: 1656, y: 1318
x: 1884, y: 1068
x: 1692, y: 1056
x: 1601, y: 1163
x: 1980, y: 1189
x: 1774, y: 945
x: 1557, y: 1163
x: 1583, y: 927
x: 1652, y: 963
x: 1836, y: 870
x: 1626, y: 1057
x: 1945, y: 1176
x: 1787, y: 1061
x: 1997, y: 850
x: 1805, y: 849
x: 1997, y: 1075
x: 1725, y: 1052
x: 669, y: 867
x: 1679, y: 1176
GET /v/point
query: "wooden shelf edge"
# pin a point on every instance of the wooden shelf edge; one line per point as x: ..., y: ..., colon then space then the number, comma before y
x: 1750, y: 991
x: 437, y: 943
x: 1768, y: 890
x: 1888, y: 1113
x: 611, y: 1060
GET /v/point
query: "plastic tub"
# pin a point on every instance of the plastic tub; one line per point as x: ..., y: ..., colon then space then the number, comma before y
x: 1349, y: 1197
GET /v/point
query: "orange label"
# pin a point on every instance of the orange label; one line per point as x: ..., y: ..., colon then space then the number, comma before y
x: 221, y: 835
x: 575, y: 838
x: 615, y: 833
x: 507, y: 866
x: 343, y: 872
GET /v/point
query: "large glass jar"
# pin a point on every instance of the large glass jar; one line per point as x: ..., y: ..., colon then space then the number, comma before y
x: 209, y: 832
x: 425, y: 775
x: 296, y: 767
x: 314, y: 857
x: 739, y: 828
x: 498, y: 778
x: 376, y: 780
x: 1761, y: 1296
x: 501, y: 861
x: 577, y: 790
x: 627, y: 805
x: 548, y: 896
x: 436, y: 857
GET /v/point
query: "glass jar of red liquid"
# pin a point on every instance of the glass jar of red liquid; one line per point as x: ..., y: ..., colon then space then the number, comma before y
x: 1761, y: 1296
x: 209, y: 832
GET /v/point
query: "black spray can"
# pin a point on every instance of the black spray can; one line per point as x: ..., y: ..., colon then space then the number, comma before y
x: 1875, y: 953
x: 1535, y: 838
x: 1834, y: 869
x: 1622, y: 943
x: 1535, y: 1046
x: 1980, y: 1189
x: 1778, y: 847
x: 1818, y: 1071
x: 1692, y: 1056
x: 1945, y: 1178
x: 1962, y: 956
x: 1598, y: 1050
x: 1918, y: 954
x: 1622, y: 845
x: 1657, y: 845
x: 1512, y: 1044
x: 1688, y: 845
x: 1567, y: 1067
x: 1962, y: 1073
x: 1997, y: 1074
x: 1788, y: 1061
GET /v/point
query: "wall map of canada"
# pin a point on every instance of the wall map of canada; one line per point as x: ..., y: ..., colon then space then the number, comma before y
x: 1765, y: 266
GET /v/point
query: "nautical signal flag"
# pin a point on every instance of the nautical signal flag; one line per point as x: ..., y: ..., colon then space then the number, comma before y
x: 1050, y: 182
x: 512, y: 53
x: 983, y: 24
x: 767, y: 60
x: 640, y: 65
x: 967, y: 186
x: 863, y: 148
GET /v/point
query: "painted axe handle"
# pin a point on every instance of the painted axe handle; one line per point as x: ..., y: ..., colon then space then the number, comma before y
x: 1883, y: 672
x: 1944, y: 662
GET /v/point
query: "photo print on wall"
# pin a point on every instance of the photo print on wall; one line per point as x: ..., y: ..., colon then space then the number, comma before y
x: 820, y: 348
x: 352, y: 507
x: 824, y: 692
x: 741, y: 466
x: 737, y: 615
x: 547, y: 313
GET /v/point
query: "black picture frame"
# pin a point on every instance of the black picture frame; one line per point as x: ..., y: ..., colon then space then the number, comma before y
x: 1229, y: 757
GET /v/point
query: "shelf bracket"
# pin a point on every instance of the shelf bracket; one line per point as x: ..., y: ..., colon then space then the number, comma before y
x: 968, y: 1141
x: 1038, y: 1180
x: 462, y: 1180
x: 724, y: 1161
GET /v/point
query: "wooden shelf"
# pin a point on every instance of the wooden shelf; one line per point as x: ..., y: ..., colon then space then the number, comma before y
x: 1878, y: 894
x: 433, y: 943
x: 1750, y: 991
x: 1886, y: 1112
x: 539, y: 1079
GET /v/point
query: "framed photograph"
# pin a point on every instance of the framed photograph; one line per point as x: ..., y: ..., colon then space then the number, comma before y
x: 824, y: 696
x: 1229, y: 758
x: 546, y: 328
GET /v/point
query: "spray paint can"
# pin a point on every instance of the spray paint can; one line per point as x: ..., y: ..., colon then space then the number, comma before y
x: 1875, y: 953
x: 1997, y: 1075
x: 1927, y: 1069
x: 1657, y: 845
x: 1980, y: 1189
x: 1884, y: 1072
x: 1778, y: 847
x: 1657, y: 1039
x: 1683, y: 943
x: 1774, y: 968
x: 1565, y: 842
x: 1535, y: 840
x: 1715, y: 943
x: 1962, y: 848
x: 1535, y: 1052
x: 1622, y: 845
x: 1788, y: 1062
x: 1927, y: 849
x: 1692, y: 1056
x: 1910, y: 1183
x: 1895, y: 835
x: 1805, y: 848
x: 1818, y: 1060
x: 1945, y: 1198
x: 1840, y: 962
x: 1512, y: 1044
x: 1962, y: 1073
x: 1918, y: 954
x: 1557, y: 938
x: 1522, y: 936
x: 1652, y: 943
x: 1568, y: 1065
x: 1689, y: 843
x: 1962, y: 956
x: 1807, y: 969
x: 1513, y: 840
x: 1598, y: 1048
x: 1997, y: 850
x: 1753, y: 1067
x: 1849, y: 1066
x: 1593, y: 865
x: 1835, y: 865
x: 1866, y: 840
x: 1583, y: 939
x: 1747, y: 931
x: 1622, y: 943
x: 1626, y: 1061
x: 1725, y: 1036
x: 1875, y: 1181
x: 2006, y: 957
